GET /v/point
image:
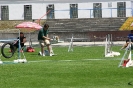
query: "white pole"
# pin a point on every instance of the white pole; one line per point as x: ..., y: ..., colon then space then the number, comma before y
x: 19, y: 56
x: 106, y: 46
x: 71, y: 44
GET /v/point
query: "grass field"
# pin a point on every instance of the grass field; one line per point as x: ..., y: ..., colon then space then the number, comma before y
x: 85, y: 67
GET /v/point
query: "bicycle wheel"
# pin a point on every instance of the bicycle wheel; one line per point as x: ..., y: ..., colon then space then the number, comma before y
x: 7, y: 50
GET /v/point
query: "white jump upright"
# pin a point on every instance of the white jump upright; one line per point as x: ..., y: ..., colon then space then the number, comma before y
x: 21, y: 58
x: 71, y: 45
x: 1, y: 62
x: 108, y: 47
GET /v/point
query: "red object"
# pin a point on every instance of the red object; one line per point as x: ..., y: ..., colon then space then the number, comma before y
x: 30, y: 49
x: 42, y: 17
x: 125, y: 62
x: 29, y: 25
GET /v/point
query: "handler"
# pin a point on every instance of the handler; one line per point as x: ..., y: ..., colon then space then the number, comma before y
x: 43, y: 39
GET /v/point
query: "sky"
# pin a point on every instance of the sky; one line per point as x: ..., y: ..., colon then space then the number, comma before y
x: 55, y: 1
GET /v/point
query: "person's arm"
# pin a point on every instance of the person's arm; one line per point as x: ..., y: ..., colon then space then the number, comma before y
x: 24, y: 40
x: 46, y: 37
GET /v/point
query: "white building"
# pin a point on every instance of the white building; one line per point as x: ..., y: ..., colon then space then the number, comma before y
x: 64, y: 9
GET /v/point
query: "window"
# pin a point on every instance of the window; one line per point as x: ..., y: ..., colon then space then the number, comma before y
x: 109, y: 4
x: 27, y: 12
x: 97, y: 11
x: 4, y: 13
x: 50, y: 8
x: 121, y: 9
x: 73, y: 10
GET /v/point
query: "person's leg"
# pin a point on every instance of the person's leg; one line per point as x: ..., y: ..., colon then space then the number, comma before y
x: 49, y: 50
x: 15, y: 48
x: 125, y: 45
x: 42, y: 50
x: 41, y: 42
x: 47, y: 43
x: 48, y: 47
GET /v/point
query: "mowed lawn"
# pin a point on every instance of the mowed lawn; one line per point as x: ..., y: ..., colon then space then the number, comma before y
x: 85, y: 67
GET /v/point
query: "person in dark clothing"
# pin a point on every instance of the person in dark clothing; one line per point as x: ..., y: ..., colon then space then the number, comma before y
x: 22, y: 41
x: 44, y: 40
x: 130, y: 39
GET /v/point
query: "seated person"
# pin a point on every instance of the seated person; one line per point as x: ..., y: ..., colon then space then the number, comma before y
x: 22, y: 41
x: 130, y: 39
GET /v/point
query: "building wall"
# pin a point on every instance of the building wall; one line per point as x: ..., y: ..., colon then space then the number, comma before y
x: 132, y: 6
x: 62, y: 11
x: 16, y: 12
x: 85, y: 10
x: 38, y: 10
x: 129, y: 9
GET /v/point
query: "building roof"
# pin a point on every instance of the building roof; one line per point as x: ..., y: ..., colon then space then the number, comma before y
x: 55, y: 1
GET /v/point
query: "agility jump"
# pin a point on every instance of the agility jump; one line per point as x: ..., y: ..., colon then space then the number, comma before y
x: 128, y: 61
x: 108, y: 47
x: 7, y: 45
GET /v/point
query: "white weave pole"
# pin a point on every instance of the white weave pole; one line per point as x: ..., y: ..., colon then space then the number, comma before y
x: 105, y: 46
x: 71, y: 45
x: 108, y: 45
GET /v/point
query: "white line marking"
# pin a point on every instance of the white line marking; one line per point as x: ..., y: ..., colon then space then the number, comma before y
x: 72, y: 60
x: 66, y: 60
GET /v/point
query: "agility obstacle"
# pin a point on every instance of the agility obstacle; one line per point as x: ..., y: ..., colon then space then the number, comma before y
x: 108, y: 47
x: 71, y: 45
x: 6, y: 45
x: 127, y: 61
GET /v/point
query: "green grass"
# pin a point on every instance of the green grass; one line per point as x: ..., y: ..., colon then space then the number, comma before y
x: 67, y: 70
